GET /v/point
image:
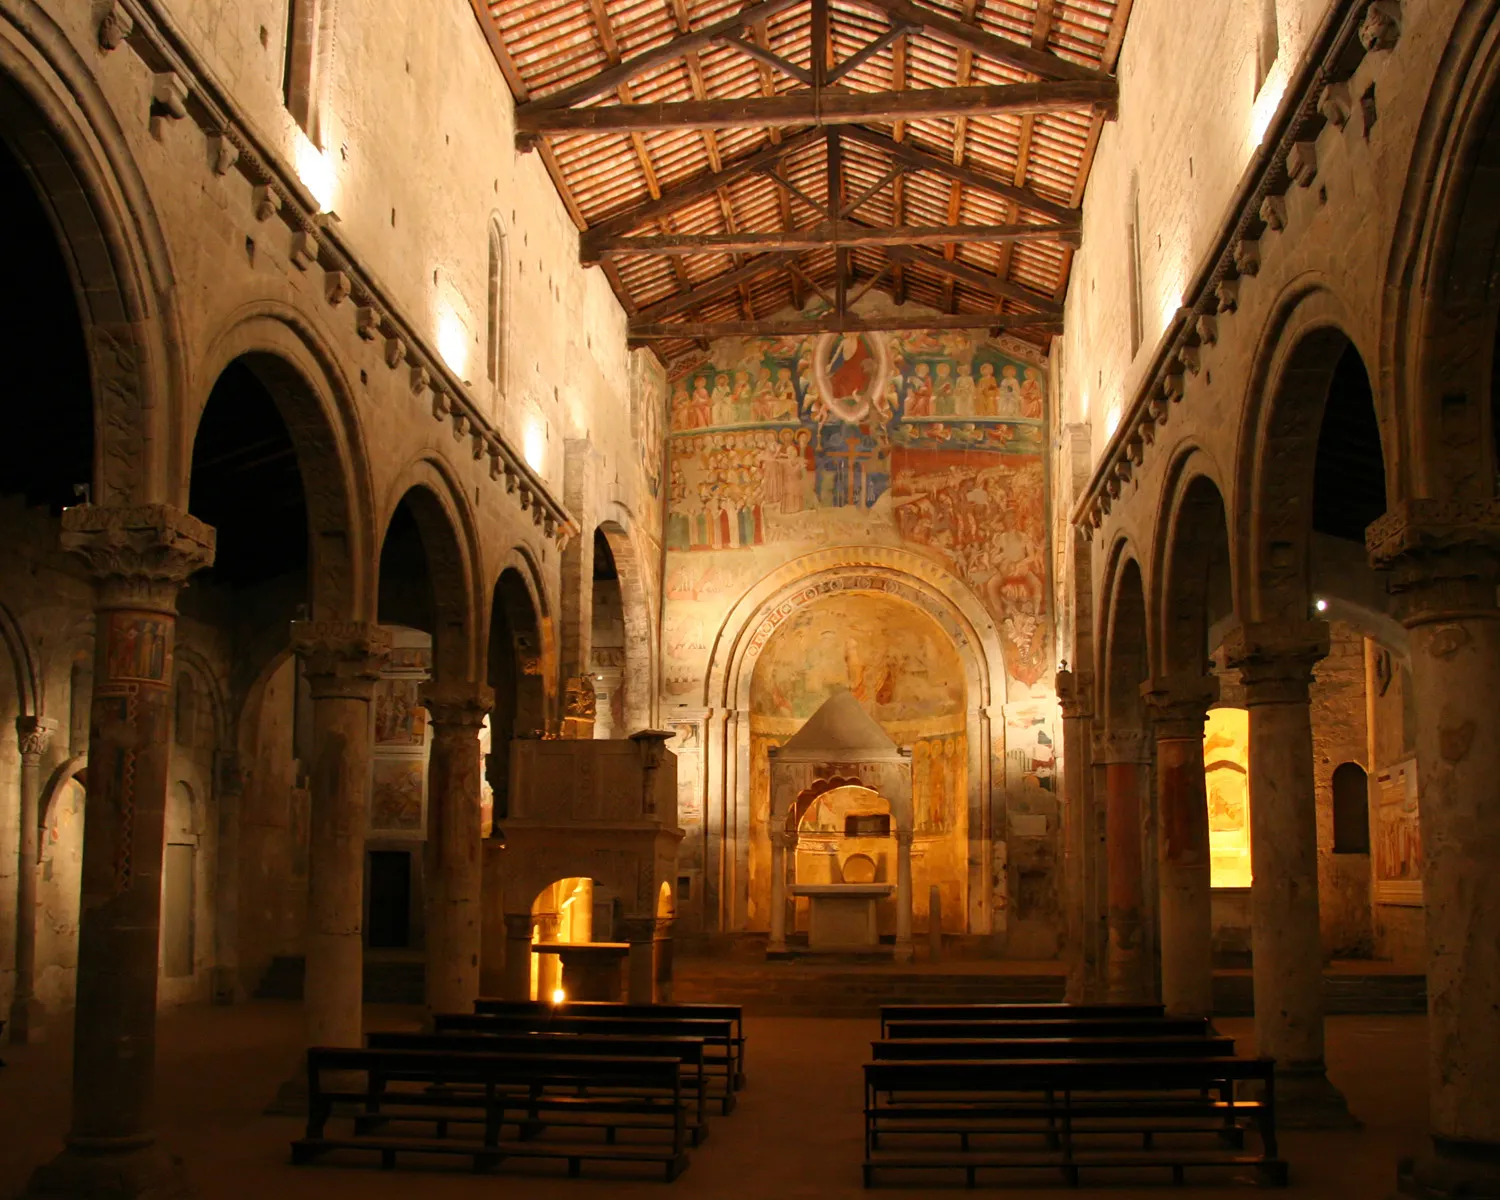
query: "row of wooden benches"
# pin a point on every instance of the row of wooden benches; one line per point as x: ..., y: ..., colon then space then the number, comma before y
x: 1025, y: 1087
x: 577, y: 1082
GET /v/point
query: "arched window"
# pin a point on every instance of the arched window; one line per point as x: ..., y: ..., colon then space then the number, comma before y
x: 1351, y: 809
x: 495, y: 351
x: 1133, y: 266
x: 305, y: 67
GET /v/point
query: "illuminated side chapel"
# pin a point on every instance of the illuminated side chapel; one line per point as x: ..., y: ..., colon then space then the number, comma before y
x: 723, y: 520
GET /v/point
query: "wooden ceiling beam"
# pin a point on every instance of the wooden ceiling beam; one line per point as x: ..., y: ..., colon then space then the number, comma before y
x: 501, y: 55
x: 832, y: 323
x: 697, y: 188
x: 961, y: 271
x: 611, y: 77
x: 868, y: 51
x: 989, y: 45
x: 716, y: 286
x: 921, y: 160
x: 831, y: 106
x: 770, y: 58
x: 834, y: 235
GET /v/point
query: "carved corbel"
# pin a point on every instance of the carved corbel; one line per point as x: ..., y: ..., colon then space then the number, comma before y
x: 549, y: 525
x: 1380, y: 27
x: 1247, y: 256
x: 525, y: 497
x: 439, y: 403
x: 367, y: 322
x: 1135, y: 450
x: 479, y: 444
x: 1302, y: 162
x: 1208, y: 329
x: 1158, y: 407
x: 1273, y: 212
x: 265, y: 202
x: 304, y: 250
x: 1146, y: 430
x: 395, y: 352
x: 420, y: 379
x: 496, y: 467
x: 337, y: 287
x: 460, y: 423
x: 1173, y: 386
x: 1228, y: 294
x: 537, y: 512
x: 115, y: 26
x: 512, y: 477
x: 1191, y: 359
x: 169, y: 93
x: 1336, y: 104
x: 224, y: 153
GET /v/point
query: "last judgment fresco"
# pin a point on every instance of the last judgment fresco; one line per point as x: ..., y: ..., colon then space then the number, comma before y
x: 930, y: 438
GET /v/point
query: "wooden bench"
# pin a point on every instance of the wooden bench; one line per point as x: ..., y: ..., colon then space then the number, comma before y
x: 687, y: 1051
x: 1085, y: 1027
x: 613, y: 1008
x: 1014, y: 1012
x: 1057, y: 1107
x: 928, y: 1049
x: 720, y: 1054
x: 503, y: 1086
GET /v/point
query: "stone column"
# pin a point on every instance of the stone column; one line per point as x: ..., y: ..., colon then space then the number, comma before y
x: 1127, y: 965
x: 640, y: 932
x: 1180, y: 705
x: 664, y: 959
x: 903, y: 895
x: 229, y: 792
x: 1275, y: 661
x: 35, y: 735
x: 343, y: 661
x: 1445, y: 560
x: 1075, y: 694
x: 455, y: 874
x: 779, y: 839
x: 140, y: 558
x: 518, y: 956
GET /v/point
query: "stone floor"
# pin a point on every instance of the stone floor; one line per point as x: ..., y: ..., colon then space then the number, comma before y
x: 796, y: 1132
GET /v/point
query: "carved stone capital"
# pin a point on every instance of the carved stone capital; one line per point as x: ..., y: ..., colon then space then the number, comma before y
x: 1273, y: 212
x: 141, y: 555
x: 458, y: 708
x: 635, y: 929
x: 34, y: 735
x: 1179, y: 704
x: 1227, y: 291
x: 1380, y: 27
x: 1336, y: 104
x: 1122, y: 746
x: 343, y: 658
x: 518, y: 927
x: 904, y: 837
x: 1443, y: 555
x: 1275, y: 659
x: 1075, y: 692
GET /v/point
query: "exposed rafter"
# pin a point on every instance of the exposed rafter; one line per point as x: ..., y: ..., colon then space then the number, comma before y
x: 963, y: 273
x: 832, y: 323
x: 830, y: 106
x: 836, y: 234
x: 716, y: 286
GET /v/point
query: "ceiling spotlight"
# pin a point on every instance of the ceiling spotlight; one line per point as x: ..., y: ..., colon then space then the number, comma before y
x: 1321, y: 605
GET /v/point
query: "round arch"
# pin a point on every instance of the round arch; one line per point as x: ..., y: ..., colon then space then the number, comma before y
x: 23, y: 665
x: 450, y: 540
x: 1294, y: 367
x: 1192, y: 564
x: 62, y: 128
x: 299, y: 370
x: 640, y: 622
x: 1124, y: 630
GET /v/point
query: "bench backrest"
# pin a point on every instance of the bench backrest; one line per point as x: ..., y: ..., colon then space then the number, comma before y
x: 992, y: 1075
x: 682, y: 1049
x: 716, y: 1031
x: 1016, y: 1012
x: 1013, y: 1048
x: 1096, y: 1027
x: 610, y: 1008
x: 453, y: 1065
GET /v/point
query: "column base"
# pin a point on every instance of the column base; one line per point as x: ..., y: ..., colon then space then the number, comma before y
x: 1470, y: 1170
x: 903, y: 953
x: 97, y: 1173
x: 1305, y: 1099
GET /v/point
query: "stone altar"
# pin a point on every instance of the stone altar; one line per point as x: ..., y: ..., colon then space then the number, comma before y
x: 842, y: 915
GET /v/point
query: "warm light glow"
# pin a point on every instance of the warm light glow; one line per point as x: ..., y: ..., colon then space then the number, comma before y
x: 558, y: 995
x: 534, y: 445
x: 315, y: 170
x: 1321, y: 605
x: 1112, y: 419
x: 453, y: 341
x: 1226, y: 764
x: 1266, y: 103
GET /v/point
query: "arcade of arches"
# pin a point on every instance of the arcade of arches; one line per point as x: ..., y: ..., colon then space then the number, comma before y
x: 418, y: 537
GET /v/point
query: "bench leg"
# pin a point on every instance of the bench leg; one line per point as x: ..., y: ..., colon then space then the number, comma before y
x: 575, y: 1167
x: 387, y: 1160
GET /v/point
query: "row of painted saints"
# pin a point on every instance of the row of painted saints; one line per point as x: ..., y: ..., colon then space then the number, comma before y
x: 846, y: 376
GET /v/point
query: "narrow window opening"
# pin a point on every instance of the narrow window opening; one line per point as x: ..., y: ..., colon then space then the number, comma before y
x: 1133, y: 266
x: 1351, y: 810
x: 1267, y: 43
x: 495, y: 352
x: 309, y: 50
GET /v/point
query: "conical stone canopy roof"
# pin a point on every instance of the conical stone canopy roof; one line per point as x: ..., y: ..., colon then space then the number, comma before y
x: 840, y: 731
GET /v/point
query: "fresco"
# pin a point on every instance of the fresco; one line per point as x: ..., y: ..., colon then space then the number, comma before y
x: 398, y: 788
x: 1226, y: 764
x: 1398, y: 832
x: 929, y: 439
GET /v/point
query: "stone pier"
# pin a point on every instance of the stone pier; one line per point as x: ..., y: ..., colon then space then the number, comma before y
x: 1179, y: 706
x: 1128, y: 967
x: 1275, y: 661
x: 35, y: 736
x: 140, y: 558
